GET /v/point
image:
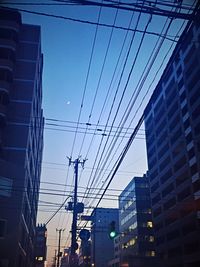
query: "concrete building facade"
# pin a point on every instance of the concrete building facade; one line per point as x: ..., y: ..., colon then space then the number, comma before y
x: 136, y: 227
x: 102, y: 246
x: 172, y: 122
x: 21, y: 137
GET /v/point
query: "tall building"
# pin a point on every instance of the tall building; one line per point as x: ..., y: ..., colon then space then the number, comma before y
x: 102, y: 246
x: 172, y: 122
x: 40, y: 245
x: 21, y: 137
x: 135, y: 225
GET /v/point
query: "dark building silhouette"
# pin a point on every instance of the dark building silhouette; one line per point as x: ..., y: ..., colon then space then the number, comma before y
x: 135, y: 225
x: 102, y: 246
x: 21, y: 137
x: 40, y: 245
x: 172, y: 122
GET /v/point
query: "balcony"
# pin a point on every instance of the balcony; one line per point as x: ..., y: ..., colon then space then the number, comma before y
x: 2, y: 114
x: 6, y: 64
x: 8, y: 43
x: 4, y: 87
x: 8, y: 24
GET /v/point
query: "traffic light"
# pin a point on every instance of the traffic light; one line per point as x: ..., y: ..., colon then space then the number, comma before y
x: 112, y: 230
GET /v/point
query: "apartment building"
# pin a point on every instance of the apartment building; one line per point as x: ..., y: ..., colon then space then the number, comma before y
x: 172, y: 122
x: 102, y: 246
x: 21, y: 137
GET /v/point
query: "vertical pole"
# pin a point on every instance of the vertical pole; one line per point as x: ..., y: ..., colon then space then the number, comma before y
x: 75, y: 212
x: 59, y: 231
x: 55, y: 258
x: 74, y: 221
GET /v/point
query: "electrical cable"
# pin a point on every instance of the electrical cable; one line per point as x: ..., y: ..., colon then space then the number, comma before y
x: 80, y: 21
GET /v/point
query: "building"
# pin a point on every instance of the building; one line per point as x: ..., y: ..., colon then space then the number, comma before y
x: 136, y: 228
x: 85, y: 253
x: 21, y: 137
x: 172, y: 122
x: 115, y: 262
x: 40, y: 245
x: 102, y: 246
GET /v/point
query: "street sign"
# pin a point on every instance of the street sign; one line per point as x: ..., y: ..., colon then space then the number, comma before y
x: 86, y: 218
x: 84, y: 234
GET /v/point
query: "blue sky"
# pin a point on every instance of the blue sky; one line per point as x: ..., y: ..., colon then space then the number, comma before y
x: 67, y: 48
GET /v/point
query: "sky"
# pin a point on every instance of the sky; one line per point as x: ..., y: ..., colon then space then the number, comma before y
x: 97, y: 79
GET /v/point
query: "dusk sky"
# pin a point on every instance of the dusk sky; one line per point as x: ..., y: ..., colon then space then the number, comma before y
x: 98, y: 76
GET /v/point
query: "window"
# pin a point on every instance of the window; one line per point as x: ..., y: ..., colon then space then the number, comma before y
x: 158, y: 105
x: 196, y: 185
x: 164, y: 163
x: 163, y: 151
x: 179, y: 164
x: 166, y: 176
x: 173, y: 252
x: 171, y: 97
x: 174, y: 122
x: 5, y: 187
x: 170, y: 203
x: 180, y: 83
x: 173, y: 110
x: 167, y: 190
x: 2, y: 228
x: 158, y: 226
x: 162, y: 138
x: 149, y: 224
x: 179, y: 70
x: 150, y: 253
x: 188, y: 228
x: 156, y: 199
x: 161, y: 126
x: 192, y: 247
x: 157, y: 212
x: 182, y: 178
x: 155, y: 187
x: 183, y: 96
x: 193, y: 169
x: 160, y: 240
x: 173, y: 235
x: 183, y: 194
x: 194, y: 97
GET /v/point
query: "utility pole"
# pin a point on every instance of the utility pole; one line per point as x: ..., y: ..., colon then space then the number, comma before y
x: 75, y: 209
x: 59, y: 238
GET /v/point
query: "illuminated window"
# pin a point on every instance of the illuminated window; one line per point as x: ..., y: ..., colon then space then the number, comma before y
x: 151, y: 238
x: 149, y: 224
x: 150, y: 253
x: 132, y: 242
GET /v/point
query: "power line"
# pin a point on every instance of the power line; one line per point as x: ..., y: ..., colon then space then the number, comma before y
x: 83, y: 21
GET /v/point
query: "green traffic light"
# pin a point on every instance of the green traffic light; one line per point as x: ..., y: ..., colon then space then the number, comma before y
x: 113, y: 234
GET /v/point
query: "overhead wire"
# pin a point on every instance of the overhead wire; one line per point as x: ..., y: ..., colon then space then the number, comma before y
x: 123, y: 93
x: 131, y: 104
x: 140, y: 104
x: 79, y: 21
x: 99, y: 80
x: 113, y: 176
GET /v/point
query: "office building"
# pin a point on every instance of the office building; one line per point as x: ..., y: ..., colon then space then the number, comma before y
x: 172, y: 122
x: 40, y: 245
x: 102, y: 246
x: 135, y: 225
x: 115, y: 262
x: 21, y: 137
